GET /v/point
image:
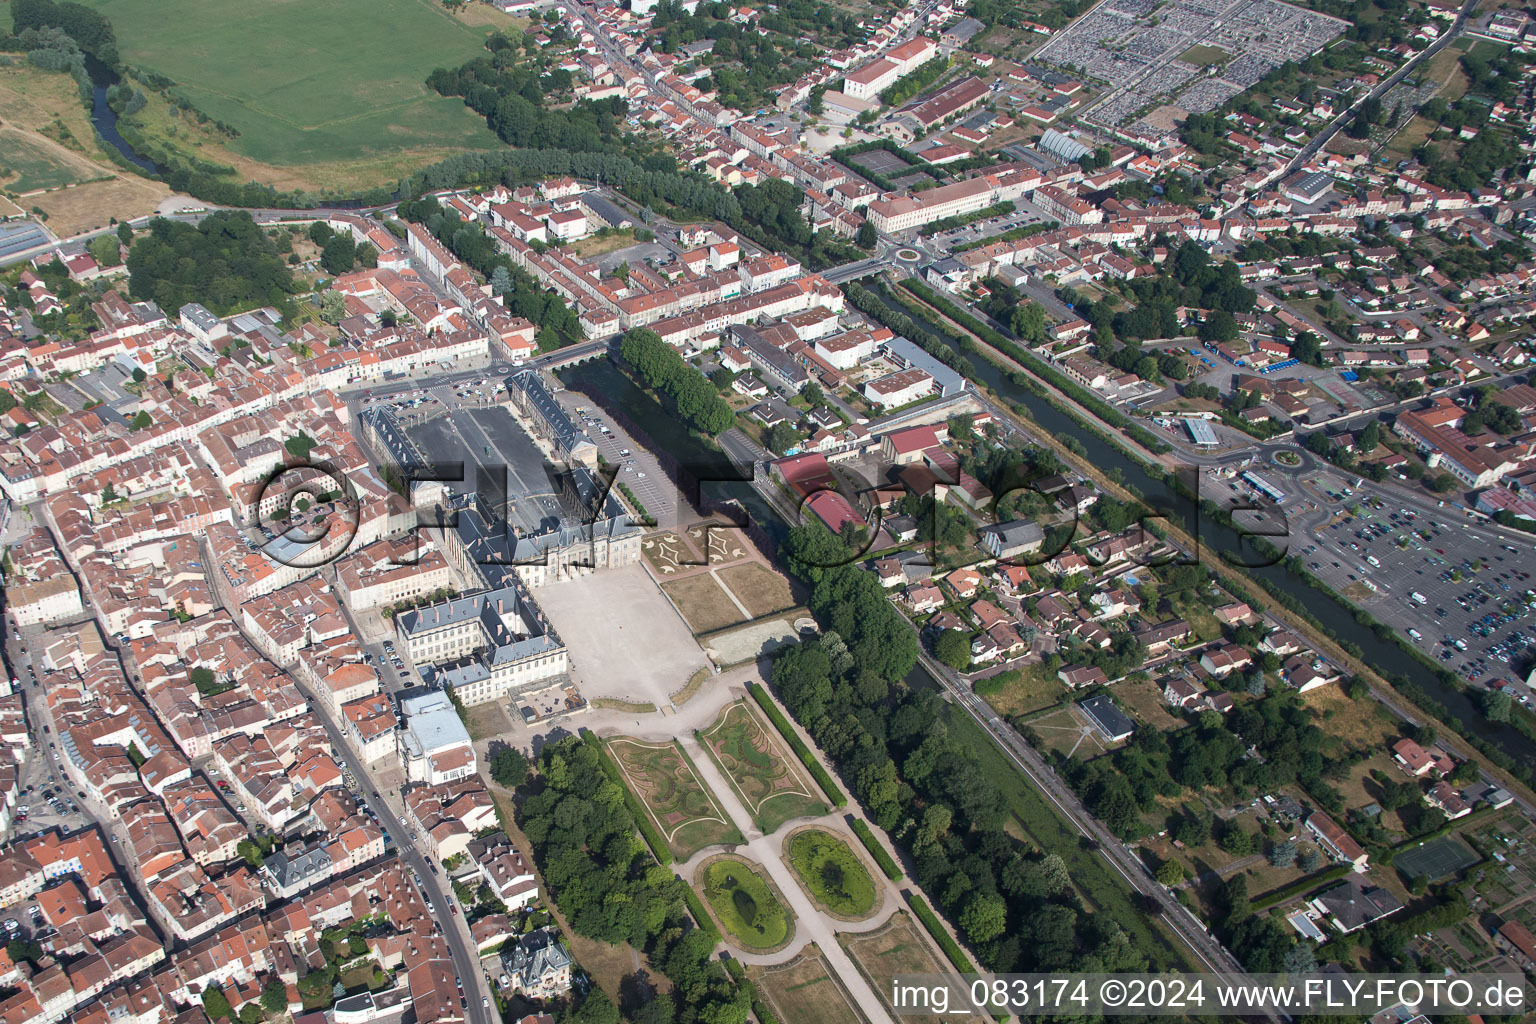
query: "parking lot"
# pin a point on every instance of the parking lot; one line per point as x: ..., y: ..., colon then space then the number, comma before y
x: 638, y: 469
x: 1466, y: 595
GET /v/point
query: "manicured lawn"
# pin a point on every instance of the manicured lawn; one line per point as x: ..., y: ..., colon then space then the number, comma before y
x: 764, y: 775
x: 666, y: 783
x: 1202, y: 55
x: 309, y: 83
x: 832, y: 873
x: 744, y: 904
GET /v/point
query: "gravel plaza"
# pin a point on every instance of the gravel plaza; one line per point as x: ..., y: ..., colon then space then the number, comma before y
x: 626, y: 640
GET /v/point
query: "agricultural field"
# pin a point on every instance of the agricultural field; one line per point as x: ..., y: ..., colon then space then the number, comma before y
x: 761, y: 771
x: 804, y: 991
x: 744, y: 904
x: 664, y: 780
x: 327, y: 91
x: 836, y: 878
x: 29, y: 164
x: 897, y: 948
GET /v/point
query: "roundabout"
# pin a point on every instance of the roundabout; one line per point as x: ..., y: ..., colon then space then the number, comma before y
x: 908, y: 255
x: 1288, y: 458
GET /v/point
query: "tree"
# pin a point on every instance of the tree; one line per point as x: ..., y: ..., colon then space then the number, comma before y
x: 333, y: 307
x: 867, y: 236
x: 108, y: 494
x: 1369, y: 438
x: 1443, y: 484
x: 509, y: 768
x: 140, y: 421
x: 1283, y: 855
x: 984, y: 918
x: 106, y: 250
x: 953, y: 648
x: 339, y: 255
x: 1310, y: 859
x: 251, y: 1013
x: 1237, y: 841
x: 250, y: 851
x: 125, y: 234
x: 501, y: 281
x: 782, y: 437
x: 1170, y: 872
x: 320, y: 233
x: 216, y: 1004
x: 274, y: 997
x: 1497, y: 705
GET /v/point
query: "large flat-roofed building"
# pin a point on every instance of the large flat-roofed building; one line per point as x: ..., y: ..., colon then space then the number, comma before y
x: 434, y: 745
x: 487, y: 645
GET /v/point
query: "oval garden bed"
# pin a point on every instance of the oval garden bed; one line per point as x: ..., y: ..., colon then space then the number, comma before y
x: 832, y: 874
x: 745, y: 904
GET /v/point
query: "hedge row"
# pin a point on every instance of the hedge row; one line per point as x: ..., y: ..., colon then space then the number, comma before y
x: 821, y: 775
x: 885, y: 860
x: 696, y: 908
x: 940, y: 934
x: 760, y: 1009
x: 648, y: 830
x: 1307, y: 884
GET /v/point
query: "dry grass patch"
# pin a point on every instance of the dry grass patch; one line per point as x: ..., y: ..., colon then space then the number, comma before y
x: 1068, y: 732
x: 1029, y: 689
x: 486, y: 720
x: 805, y: 992
x: 1356, y: 723
x: 758, y: 587
x: 702, y: 604
x: 601, y: 245
x: 898, y: 948
x: 1145, y: 700
x: 93, y: 205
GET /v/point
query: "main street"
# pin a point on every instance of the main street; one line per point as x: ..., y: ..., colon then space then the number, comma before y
x: 479, y: 1009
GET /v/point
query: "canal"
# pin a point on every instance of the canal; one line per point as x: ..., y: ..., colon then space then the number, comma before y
x: 602, y: 381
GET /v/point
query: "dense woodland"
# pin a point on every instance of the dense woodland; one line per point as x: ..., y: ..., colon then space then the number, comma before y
x: 1014, y: 906
x: 226, y: 262
x: 683, y: 389
x: 608, y: 886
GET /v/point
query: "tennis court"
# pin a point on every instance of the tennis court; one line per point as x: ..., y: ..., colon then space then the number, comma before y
x: 1436, y: 859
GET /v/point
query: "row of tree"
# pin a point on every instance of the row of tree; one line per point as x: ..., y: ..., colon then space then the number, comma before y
x: 689, y: 393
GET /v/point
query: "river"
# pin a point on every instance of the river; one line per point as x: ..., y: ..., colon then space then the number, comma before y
x: 105, y: 118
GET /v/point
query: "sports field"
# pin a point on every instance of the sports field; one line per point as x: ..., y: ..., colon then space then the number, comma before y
x: 310, y: 83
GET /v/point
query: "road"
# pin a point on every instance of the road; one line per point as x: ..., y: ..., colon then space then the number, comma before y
x: 1321, y: 138
x: 466, y: 959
